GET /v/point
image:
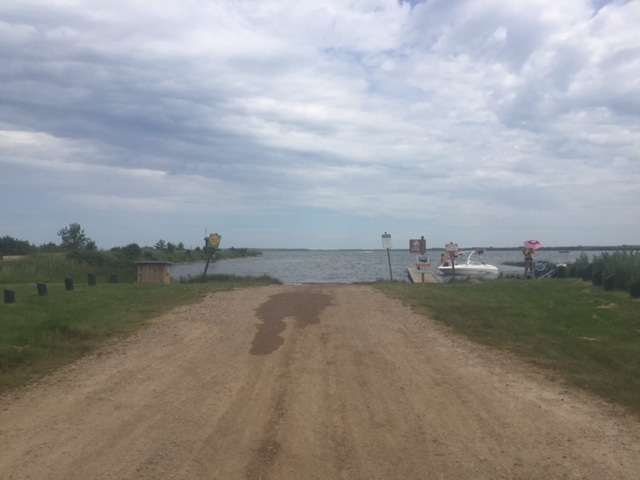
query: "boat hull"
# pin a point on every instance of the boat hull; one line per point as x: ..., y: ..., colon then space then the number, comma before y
x: 469, y: 270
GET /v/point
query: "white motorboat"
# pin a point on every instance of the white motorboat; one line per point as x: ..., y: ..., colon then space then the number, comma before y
x: 470, y: 266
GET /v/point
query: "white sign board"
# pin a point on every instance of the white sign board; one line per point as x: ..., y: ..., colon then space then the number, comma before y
x: 386, y: 241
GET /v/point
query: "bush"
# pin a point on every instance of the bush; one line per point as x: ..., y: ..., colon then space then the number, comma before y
x: 131, y: 251
x: 580, y: 265
x: 90, y: 257
x: 623, y: 265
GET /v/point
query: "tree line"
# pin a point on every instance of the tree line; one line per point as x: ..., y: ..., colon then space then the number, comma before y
x: 75, y: 243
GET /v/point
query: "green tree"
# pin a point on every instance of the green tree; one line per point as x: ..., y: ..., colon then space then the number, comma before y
x: 50, y: 247
x: 132, y: 251
x: 74, y: 238
x: 13, y: 246
x: 160, y: 245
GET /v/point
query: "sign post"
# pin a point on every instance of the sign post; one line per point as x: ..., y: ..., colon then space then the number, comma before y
x: 452, y: 249
x: 386, y: 243
x: 211, y: 244
x: 419, y: 246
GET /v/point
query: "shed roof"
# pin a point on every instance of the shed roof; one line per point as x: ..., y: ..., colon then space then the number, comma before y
x: 153, y: 262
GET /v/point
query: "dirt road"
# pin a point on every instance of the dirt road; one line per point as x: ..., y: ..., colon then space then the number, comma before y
x: 307, y: 382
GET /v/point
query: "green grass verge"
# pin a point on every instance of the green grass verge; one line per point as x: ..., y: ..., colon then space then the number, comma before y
x: 586, y: 336
x: 39, y: 334
x: 54, y: 267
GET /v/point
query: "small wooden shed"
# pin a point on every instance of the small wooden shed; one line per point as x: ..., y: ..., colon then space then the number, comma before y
x: 154, y: 272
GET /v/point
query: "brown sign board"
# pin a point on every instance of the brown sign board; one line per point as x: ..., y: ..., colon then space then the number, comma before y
x: 418, y: 245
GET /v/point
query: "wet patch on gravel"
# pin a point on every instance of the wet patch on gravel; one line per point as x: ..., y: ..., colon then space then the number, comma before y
x: 305, y: 307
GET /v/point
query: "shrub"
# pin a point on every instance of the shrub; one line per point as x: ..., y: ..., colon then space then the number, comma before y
x: 623, y: 265
x: 580, y: 265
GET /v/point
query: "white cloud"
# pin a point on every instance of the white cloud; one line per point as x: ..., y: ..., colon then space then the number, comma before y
x: 422, y: 112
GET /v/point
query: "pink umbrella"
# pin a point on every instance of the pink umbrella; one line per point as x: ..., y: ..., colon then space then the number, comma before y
x: 533, y: 244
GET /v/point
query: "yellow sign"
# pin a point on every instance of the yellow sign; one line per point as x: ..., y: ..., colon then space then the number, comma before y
x: 214, y: 240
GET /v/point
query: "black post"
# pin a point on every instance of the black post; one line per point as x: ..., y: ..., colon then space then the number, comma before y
x: 9, y: 296
x: 390, y: 271
x: 609, y: 282
x: 596, y: 278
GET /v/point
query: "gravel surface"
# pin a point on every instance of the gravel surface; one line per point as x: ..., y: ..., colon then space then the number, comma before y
x: 308, y: 382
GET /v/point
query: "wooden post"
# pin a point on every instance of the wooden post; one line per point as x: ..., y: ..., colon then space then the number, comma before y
x: 206, y: 267
x: 386, y: 243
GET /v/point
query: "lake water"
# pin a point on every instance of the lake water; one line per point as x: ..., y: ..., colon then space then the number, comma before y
x: 349, y: 266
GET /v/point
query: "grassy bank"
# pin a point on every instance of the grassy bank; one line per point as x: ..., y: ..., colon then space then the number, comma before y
x: 54, y: 267
x: 38, y: 334
x: 582, y: 335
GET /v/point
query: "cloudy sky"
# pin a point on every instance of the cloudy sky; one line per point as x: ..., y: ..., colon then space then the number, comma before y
x: 321, y: 123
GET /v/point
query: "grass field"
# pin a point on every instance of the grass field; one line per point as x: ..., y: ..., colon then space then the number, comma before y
x: 580, y: 334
